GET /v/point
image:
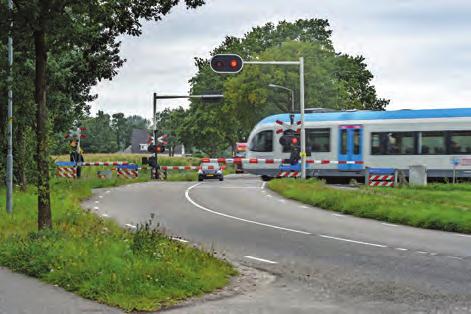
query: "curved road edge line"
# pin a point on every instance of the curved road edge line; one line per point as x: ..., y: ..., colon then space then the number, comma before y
x: 187, y: 195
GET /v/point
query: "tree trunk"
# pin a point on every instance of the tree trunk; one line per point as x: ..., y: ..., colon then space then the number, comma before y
x: 44, y: 198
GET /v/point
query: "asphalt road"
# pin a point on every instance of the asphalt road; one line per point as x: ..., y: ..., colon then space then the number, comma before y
x: 323, y: 262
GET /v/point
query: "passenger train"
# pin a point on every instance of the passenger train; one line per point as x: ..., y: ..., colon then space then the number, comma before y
x: 439, y: 139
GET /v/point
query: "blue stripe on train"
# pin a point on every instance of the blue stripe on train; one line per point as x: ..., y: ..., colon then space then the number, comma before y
x: 374, y: 115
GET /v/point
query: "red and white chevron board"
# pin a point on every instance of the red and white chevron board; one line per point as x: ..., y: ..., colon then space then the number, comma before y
x: 381, y: 178
x: 66, y: 172
x: 288, y: 174
x: 106, y: 163
x: 167, y: 168
x: 381, y: 183
x: 277, y: 161
x: 128, y: 173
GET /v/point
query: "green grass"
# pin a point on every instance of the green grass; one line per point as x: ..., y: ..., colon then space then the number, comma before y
x: 437, y: 206
x: 96, y: 259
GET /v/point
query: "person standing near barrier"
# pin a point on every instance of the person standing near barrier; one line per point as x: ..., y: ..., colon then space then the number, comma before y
x: 76, y: 157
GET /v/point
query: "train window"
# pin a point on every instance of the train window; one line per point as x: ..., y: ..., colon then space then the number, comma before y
x: 318, y: 140
x: 394, y: 143
x: 460, y: 142
x: 433, y: 143
x: 356, y: 142
x: 343, y: 144
x: 401, y: 143
x: 262, y: 142
x: 377, y: 143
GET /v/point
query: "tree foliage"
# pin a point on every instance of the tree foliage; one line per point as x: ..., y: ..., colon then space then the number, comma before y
x: 63, y: 48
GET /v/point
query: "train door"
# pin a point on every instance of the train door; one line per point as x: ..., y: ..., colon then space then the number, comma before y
x: 350, y: 146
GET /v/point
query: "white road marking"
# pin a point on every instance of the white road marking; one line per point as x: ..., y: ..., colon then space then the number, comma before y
x: 303, y: 206
x: 281, y: 200
x: 352, y: 241
x: 179, y: 240
x: 434, y: 254
x: 206, y: 186
x: 101, y: 196
x: 131, y: 226
x: 108, y: 191
x: 96, y: 208
x: 268, y: 195
x: 97, y: 202
x: 338, y: 215
x: 401, y: 249
x: 187, y: 195
x: 263, y: 185
x: 105, y: 215
x: 260, y: 259
x: 389, y: 225
x: 454, y: 257
x: 422, y: 252
x: 464, y: 235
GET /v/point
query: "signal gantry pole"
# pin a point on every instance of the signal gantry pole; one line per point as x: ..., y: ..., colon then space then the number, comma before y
x: 9, y: 180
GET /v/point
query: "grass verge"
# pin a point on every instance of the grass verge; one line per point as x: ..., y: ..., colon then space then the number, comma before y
x: 98, y: 260
x: 437, y: 206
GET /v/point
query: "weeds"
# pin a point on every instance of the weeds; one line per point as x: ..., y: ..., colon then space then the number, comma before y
x: 437, y: 206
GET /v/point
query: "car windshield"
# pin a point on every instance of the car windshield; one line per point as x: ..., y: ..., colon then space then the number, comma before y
x: 211, y: 166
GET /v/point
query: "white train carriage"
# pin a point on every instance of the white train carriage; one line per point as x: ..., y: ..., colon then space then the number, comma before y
x: 439, y: 139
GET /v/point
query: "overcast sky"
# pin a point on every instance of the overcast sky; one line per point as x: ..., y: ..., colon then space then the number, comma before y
x: 418, y: 50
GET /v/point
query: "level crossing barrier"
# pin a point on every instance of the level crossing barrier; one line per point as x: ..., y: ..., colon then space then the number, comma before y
x: 66, y: 172
x: 127, y: 171
x: 386, y: 177
x: 277, y: 161
x: 289, y: 171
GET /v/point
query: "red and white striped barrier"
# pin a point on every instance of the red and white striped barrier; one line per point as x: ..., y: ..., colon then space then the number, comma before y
x: 167, y: 168
x: 277, y: 161
x: 381, y: 183
x: 66, y: 172
x: 288, y: 174
x: 127, y: 173
x: 106, y: 163
x: 381, y: 178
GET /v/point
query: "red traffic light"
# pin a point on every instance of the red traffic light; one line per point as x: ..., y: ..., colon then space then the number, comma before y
x: 294, y: 141
x: 227, y: 63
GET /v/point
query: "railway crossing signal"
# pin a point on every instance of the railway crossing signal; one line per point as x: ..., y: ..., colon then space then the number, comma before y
x: 227, y: 63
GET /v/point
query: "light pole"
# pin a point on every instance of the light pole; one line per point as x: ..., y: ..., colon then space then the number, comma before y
x: 10, y: 115
x: 288, y: 89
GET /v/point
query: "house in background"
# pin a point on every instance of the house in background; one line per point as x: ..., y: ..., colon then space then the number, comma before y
x: 139, y: 139
x: 139, y: 143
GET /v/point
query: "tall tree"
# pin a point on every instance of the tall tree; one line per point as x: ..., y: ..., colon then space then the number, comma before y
x: 333, y: 80
x: 88, y: 28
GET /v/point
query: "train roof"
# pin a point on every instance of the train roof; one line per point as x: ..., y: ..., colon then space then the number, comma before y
x: 374, y: 115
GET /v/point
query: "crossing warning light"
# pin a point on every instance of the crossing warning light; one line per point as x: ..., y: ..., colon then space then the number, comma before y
x: 227, y: 63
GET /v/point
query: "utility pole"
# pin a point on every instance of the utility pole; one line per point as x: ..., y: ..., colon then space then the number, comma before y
x: 10, y: 114
x: 154, y: 133
x: 303, y: 129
